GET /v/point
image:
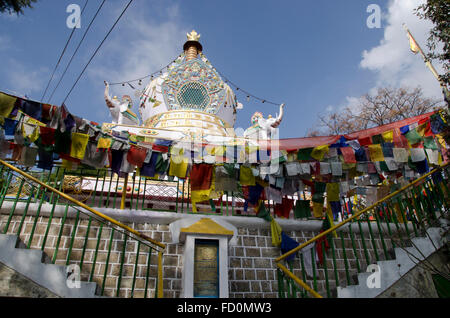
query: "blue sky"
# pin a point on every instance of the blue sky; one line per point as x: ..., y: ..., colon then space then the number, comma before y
x: 315, y: 56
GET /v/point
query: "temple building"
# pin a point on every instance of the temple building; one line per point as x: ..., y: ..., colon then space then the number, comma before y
x: 170, y: 202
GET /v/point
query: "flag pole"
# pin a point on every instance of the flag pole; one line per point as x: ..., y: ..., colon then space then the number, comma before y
x: 429, y: 65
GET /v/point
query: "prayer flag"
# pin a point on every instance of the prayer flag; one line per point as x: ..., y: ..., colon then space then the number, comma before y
x: 376, y: 153
x: 319, y: 152
x: 78, y: 146
x: 388, y: 136
x: 6, y: 104
x: 246, y: 176
x: 413, y: 137
x: 349, y: 154
x: 332, y: 192
x: 413, y: 45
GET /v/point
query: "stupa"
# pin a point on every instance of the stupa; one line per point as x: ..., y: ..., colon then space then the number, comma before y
x: 189, y: 100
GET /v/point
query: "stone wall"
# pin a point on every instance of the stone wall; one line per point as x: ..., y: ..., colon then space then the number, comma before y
x: 252, y: 269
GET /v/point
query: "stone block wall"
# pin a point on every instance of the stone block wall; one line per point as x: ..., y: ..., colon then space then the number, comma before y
x: 252, y: 269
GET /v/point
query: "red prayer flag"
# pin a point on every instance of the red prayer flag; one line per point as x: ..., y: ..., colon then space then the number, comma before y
x: 136, y: 156
x: 349, y: 154
x: 201, y: 176
x: 365, y: 141
x: 47, y: 135
x: 284, y: 209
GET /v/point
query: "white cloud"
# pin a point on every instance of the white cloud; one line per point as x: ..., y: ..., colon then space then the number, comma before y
x: 23, y: 80
x: 142, y: 45
x: 395, y: 65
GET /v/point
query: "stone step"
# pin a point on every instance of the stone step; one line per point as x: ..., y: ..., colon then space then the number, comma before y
x: 50, y: 276
x: 391, y: 271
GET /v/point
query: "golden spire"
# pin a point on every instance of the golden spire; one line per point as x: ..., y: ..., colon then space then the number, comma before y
x: 192, y: 47
x: 193, y: 36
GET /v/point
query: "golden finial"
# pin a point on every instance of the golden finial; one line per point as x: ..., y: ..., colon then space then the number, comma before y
x: 193, y: 36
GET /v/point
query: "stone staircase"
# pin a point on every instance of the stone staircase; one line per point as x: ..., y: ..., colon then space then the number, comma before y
x: 406, y: 258
x: 35, y: 266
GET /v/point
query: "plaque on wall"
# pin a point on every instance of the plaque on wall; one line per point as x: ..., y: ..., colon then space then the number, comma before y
x: 206, y: 269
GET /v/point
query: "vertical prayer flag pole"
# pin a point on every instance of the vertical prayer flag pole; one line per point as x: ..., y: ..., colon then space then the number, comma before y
x: 415, y: 48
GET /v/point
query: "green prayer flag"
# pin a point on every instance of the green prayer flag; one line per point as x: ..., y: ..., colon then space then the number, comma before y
x: 383, y: 166
x: 430, y: 143
x: 302, y: 209
x: 318, y: 198
x: 304, y: 154
x: 377, y: 139
x: 320, y: 187
x: 161, y: 164
x: 413, y: 137
x: 263, y: 213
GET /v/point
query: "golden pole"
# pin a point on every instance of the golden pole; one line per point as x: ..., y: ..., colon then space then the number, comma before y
x: 124, y: 193
x: 160, y: 276
x: 299, y: 281
x: 425, y: 58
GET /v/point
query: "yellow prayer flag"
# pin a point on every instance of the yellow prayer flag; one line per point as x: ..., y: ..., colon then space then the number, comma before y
x: 246, y: 176
x: 332, y: 192
x: 104, y: 143
x: 30, y: 120
x: 6, y: 104
x: 388, y: 136
x: 30, y: 131
x: 317, y: 210
x: 376, y: 153
x: 441, y: 140
x: 319, y: 152
x: 329, y: 215
x: 79, y: 143
x: 276, y: 230
x: 178, y: 167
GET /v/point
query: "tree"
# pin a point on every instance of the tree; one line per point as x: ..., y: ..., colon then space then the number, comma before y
x: 438, y: 12
x: 386, y: 106
x: 15, y: 6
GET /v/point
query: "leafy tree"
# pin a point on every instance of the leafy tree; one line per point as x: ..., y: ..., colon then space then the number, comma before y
x: 386, y: 106
x: 15, y: 6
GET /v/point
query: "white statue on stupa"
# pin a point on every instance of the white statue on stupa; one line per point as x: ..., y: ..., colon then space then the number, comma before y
x: 263, y: 128
x: 120, y: 110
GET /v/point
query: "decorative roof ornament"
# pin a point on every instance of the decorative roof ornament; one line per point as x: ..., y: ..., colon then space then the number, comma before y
x: 193, y: 36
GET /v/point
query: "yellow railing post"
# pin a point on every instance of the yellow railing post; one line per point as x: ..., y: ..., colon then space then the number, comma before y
x: 124, y: 193
x: 160, y: 276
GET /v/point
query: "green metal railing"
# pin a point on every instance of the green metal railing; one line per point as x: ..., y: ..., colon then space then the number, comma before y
x: 104, y: 189
x: 70, y: 232
x: 365, y: 238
